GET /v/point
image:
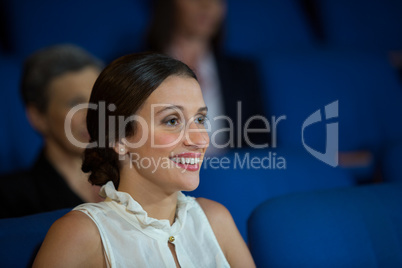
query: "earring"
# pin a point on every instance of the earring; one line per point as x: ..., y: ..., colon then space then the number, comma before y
x: 122, y: 150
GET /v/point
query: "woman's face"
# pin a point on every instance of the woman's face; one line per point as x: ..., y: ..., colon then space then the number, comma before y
x: 65, y: 92
x: 175, y: 134
x: 199, y: 18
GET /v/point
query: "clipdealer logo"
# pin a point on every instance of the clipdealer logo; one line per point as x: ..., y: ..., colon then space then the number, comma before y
x: 331, y: 111
x: 330, y: 156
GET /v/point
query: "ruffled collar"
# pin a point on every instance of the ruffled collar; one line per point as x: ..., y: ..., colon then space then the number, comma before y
x: 133, y: 212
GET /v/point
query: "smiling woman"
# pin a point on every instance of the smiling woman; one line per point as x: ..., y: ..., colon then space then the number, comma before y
x: 145, y: 220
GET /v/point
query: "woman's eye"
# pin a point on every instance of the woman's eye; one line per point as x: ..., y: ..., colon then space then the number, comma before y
x: 201, y: 120
x: 172, y: 122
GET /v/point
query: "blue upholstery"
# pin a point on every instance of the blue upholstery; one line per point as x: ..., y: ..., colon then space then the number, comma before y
x: 392, y: 162
x: 362, y: 24
x: 351, y: 227
x: 20, y: 238
x: 243, y: 188
x: 19, y: 143
x: 367, y: 89
x: 107, y: 29
x: 254, y: 27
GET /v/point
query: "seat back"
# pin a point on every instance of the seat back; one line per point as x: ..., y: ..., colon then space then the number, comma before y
x: 21, y: 238
x: 350, y: 227
x: 244, y: 179
x: 362, y: 24
x: 366, y: 87
x: 391, y: 162
x: 108, y: 29
x: 19, y: 143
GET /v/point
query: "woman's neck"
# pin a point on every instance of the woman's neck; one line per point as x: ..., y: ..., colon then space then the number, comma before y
x: 189, y: 50
x: 157, y: 203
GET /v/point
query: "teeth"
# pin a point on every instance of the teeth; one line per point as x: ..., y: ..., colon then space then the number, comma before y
x: 182, y: 160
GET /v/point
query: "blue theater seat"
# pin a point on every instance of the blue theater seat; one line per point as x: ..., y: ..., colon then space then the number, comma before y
x: 255, y: 27
x: 351, y: 227
x: 241, y: 186
x: 391, y: 162
x: 20, y: 238
x: 367, y: 89
x: 362, y: 24
x: 19, y: 143
x: 107, y: 29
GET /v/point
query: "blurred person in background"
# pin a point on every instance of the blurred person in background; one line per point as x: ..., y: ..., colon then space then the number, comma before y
x: 192, y: 31
x: 54, y: 80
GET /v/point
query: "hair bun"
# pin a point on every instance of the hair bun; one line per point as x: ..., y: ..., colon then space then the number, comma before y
x: 103, y: 163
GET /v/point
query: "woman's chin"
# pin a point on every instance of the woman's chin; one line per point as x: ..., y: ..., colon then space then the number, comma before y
x: 190, y: 184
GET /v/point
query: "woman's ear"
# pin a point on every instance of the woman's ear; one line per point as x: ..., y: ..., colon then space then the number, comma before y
x: 37, y: 119
x: 119, y: 148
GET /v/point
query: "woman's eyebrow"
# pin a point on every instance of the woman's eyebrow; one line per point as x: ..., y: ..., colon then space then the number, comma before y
x: 203, y: 109
x: 170, y: 107
x: 179, y: 107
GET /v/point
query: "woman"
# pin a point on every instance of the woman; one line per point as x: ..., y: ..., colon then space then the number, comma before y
x: 149, y: 158
x: 192, y: 31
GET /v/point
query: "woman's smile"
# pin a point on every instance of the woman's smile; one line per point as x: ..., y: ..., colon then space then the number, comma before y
x: 187, y: 161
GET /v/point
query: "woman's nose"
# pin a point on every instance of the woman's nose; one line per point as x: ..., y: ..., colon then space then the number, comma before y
x: 196, y: 136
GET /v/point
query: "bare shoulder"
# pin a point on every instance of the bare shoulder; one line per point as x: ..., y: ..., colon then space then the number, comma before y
x: 216, y: 212
x: 75, y: 217
x: 227, y: 234
x: 72, y: 240
x: 220, y: 220
x: 76, y: 226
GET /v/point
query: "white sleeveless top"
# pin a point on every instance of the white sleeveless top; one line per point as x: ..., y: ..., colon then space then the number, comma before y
x: 132, y: 239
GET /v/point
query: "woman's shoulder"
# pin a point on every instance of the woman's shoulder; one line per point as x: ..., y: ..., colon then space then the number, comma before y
x: 76, y: 222
x: 225, y: 230
x: 74, y: 229
x: 72, y: 239
x: 218, y: 216
x: 213, y: 209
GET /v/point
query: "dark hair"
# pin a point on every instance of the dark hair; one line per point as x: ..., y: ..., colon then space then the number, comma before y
x: 126, y: 83
x: 161, y: 28
x: 45, y: 65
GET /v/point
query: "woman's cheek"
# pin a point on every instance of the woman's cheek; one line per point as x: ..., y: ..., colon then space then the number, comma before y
x: 167, y: 139
x: 206, y: 137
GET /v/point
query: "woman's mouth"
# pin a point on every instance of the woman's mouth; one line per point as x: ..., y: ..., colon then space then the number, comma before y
x: 188, y: 161
x: 183, y: 160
